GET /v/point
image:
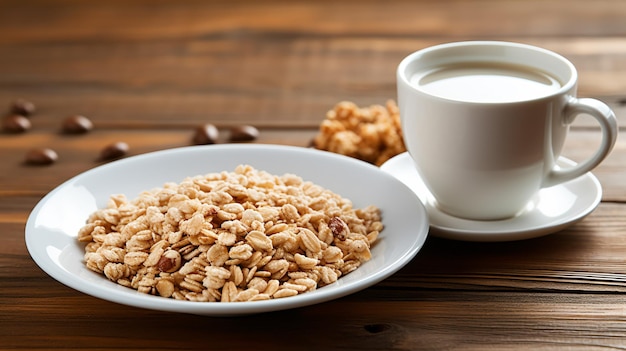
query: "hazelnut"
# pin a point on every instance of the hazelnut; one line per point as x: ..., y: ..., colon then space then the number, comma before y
x: 76, y: 124
x: 243, y: 133
x: 16, y: 124
x: 170, y: 261
x: 113, y: 151
x: 23, y: 107
x: 41, y: 157
x: 206, y: 134
x: 339, y: 228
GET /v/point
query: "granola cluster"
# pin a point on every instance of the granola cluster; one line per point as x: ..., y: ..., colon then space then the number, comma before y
x: 244, y: 235
x: 372, y: 134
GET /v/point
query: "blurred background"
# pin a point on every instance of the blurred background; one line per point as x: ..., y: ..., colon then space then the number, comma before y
x: 271, y: 63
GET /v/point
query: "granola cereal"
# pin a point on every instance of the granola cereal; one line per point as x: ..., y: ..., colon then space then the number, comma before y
x: 372, y: 134
x: 244, y: 235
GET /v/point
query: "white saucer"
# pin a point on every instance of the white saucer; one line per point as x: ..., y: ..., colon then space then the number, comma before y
x: 551, y: 210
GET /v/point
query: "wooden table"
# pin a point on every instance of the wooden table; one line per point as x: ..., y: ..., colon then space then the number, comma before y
x: 149, y: 72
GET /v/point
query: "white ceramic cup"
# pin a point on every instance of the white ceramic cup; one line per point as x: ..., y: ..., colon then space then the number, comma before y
x: 485, y: 123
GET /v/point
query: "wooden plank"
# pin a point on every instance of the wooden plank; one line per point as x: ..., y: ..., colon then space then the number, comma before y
x: 80, y: 153
x: 417, y: 319
x: 274, y: 63
x: 437, y: 301
x: 146, y: 20
x: 278, y: 83
x: 554, y: 265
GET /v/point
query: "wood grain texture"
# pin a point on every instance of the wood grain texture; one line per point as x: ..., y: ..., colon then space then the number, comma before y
x: 148, y: 72
x: 273, y: 63
x: 78, y: 153
x: 269, y: 82
x: 426, y: 320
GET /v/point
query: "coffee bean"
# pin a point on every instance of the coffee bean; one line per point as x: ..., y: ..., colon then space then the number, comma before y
x: 206, y: 134
x: 113, y: 151
x: 76, y: 124
x: 15, y: 124
x: 243, y: 133
x: 41, y: 157
x: 23, y: 107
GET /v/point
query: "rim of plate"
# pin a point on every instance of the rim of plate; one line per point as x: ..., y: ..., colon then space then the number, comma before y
x: 111, y: 291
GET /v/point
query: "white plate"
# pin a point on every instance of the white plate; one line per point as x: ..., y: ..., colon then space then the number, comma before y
x: 551, y: 210
x: 52, y: 226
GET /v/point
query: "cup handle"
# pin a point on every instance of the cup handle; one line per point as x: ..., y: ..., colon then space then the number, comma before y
x: 608, y: 124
